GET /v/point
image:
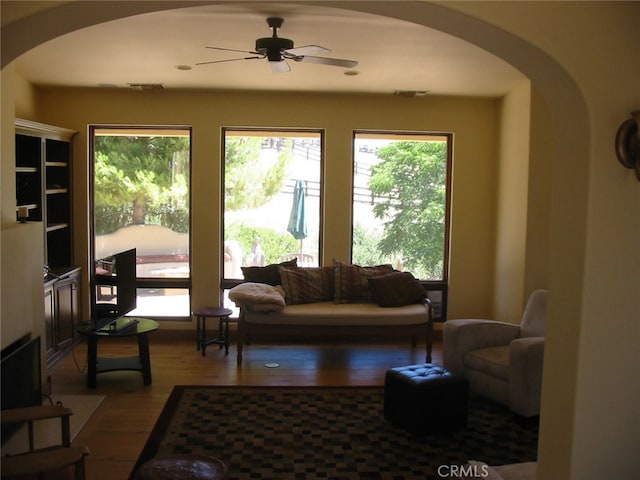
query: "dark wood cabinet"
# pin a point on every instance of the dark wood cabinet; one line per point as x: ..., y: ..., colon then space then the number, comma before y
x: 49, y: 319
x: 62, y: 312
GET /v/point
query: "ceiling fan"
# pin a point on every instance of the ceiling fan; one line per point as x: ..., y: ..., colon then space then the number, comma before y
x: 278, y: 50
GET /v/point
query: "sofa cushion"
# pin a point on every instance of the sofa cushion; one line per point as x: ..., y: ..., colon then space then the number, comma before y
x: 258, y: 297
x: 352, y: 281
x: 492, y: 360
x: 307, y: 285
x: 344, y: 314
x: 269, y: 274
x: 396, y: 289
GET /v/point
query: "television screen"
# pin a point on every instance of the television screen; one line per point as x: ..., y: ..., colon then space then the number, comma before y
x: 116, y: 293
x: 21, y: 378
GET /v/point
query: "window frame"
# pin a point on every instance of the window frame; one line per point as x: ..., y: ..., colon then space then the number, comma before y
x: 182, y: 283
x: 227, y: 283
x: 437, y: 289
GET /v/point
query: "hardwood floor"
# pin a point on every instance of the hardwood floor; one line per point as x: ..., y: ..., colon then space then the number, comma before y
x: 118, y: 430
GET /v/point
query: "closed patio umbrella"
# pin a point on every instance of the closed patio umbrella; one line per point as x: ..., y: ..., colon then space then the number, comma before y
x: 297, y: 222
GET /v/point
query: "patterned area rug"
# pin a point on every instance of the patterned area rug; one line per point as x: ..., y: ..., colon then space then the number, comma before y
x: 326, y: 432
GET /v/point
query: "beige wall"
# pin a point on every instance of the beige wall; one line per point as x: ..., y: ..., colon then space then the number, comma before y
x: 512, y: 204
x: 21, y: 246
x: 541, y: 154
x: 25, y: 98
x: 7, y: 146
x: 22, y: 283
x: 523, y: 201
x: 474, y: 182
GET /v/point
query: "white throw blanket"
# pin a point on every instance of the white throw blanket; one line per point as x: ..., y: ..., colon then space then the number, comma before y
x: 258, y: 297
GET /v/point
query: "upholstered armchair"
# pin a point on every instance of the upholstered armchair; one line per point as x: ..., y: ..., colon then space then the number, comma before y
x: 502, y: 361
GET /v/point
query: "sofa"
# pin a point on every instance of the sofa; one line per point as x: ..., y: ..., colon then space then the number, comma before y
x: 341, y: 300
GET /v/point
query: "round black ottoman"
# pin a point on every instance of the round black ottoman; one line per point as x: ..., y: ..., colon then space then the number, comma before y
x: 425, y: 398
x: 183, y: 467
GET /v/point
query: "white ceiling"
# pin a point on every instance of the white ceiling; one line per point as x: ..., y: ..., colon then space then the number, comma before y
x: 392, y: 54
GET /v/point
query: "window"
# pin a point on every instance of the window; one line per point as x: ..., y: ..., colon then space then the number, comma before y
x: 401, y: 192
x: 272, y: 204
x: 141, y: 199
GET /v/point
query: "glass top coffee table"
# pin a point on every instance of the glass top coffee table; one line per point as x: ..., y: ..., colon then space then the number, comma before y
x: 121, y: 327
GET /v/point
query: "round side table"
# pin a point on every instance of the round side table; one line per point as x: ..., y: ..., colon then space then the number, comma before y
x: 183, y: 467
x: 122, y: 327
x: 222, y: 314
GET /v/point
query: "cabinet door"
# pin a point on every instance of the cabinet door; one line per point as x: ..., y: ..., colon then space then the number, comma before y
x: 49, y: 320
x: 66, y: 292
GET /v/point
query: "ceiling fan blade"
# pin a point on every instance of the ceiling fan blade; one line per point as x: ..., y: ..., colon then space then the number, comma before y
x: 336, y: 62
x: 307, y: 50
x: 228, y: 60
x: 233, y: 50
x: 279, y: 67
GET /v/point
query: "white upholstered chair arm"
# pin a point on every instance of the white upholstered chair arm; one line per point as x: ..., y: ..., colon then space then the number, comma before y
x: 462, y: 336
x: 525, y: 375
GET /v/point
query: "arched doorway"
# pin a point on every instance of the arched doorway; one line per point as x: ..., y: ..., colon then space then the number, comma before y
x: 568, y: 112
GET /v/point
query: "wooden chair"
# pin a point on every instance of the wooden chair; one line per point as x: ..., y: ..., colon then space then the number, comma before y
x: 37, y: 462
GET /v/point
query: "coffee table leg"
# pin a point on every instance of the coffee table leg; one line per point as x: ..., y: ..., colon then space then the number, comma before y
x: 221, y: 331
x: 226, y: 335
x: 145, y: 360
x: 92, y: 360
x: 198, y: 336
x: 203, y: 336
x: 429, y: 340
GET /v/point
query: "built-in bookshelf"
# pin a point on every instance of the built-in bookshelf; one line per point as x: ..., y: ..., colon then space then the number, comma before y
x: 43, y: 194
x: 43, y: 185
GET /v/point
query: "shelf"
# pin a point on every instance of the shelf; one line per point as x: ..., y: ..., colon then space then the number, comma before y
x: 30, y: 206
x: 57, y: 226
x: 43, y: 185
x: 112, y: 364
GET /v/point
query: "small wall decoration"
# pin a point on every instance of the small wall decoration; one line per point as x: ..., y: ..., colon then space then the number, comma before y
x: 628, y: 143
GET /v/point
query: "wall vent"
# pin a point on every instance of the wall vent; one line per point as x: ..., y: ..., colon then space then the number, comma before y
x: 147, y: 87
x: 410, y: 93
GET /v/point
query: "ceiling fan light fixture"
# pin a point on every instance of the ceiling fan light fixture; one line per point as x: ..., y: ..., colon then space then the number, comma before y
x: 280, y: 66
x: 271, y: 45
